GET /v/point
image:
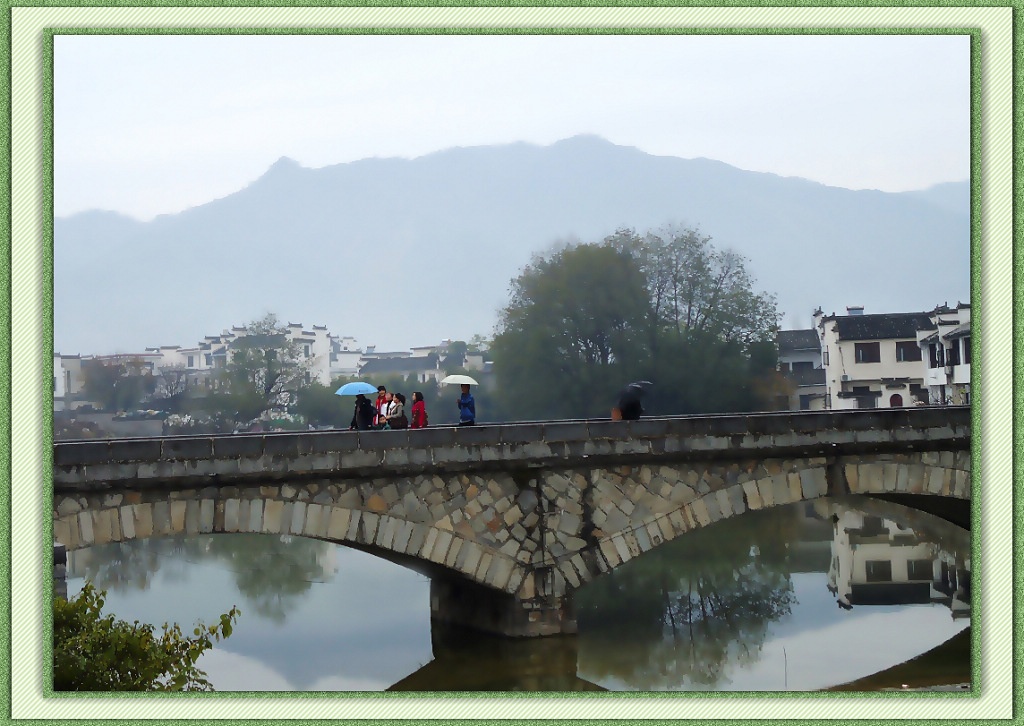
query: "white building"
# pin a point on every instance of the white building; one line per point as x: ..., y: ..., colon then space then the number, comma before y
x: 946, y: 349
x: 872, y: 361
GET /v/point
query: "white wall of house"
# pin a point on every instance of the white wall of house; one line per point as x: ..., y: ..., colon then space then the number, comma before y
x: 851, y: 366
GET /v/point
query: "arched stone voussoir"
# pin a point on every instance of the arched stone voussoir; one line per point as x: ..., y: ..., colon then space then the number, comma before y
x: 442, y: 549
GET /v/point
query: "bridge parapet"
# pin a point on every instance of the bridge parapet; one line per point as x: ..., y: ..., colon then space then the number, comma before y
x: 184, y: 460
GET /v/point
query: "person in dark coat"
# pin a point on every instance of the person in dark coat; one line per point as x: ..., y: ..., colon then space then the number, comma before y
x: 362, y: 416
x: 630, y: 406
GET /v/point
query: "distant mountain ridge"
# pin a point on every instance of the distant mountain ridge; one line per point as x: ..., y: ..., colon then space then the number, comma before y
x: 403, y: 252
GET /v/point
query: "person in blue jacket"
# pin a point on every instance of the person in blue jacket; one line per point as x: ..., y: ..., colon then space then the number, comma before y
x: 467, y: 407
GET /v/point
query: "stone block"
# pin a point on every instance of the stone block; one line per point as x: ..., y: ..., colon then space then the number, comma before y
x: 298, y: 519
x: 753, y: 494
x: 520, y: 433
x: 666, y: 528
x: 432, y: 436
x: 453, y: 552
x: 903, y: 479
x: 699, y: 510
x: 891, y: 473
x: 187, y: 448
x: 85, y: 529
x: 315, y: 520
x: 255, y: 519
x: 231, y: 447
x: 206, y: 511
x: 324, y: 442
x: 569, y: 573
x: 649, y: 428
x: 723, y: 503
x: 360, y: 459
x: 272, y: 516
x: 468, y: 558
x: 478, y: 435
x: 499, y: 572
x: 565, y: 431
x: 439, y: 553
x: 609, y: 429
x: 780, y: 489
x: 143, y: 520
x: 366, y: 528
x: 231, y: 515
x: 191, y: 516
x: 396, y: 457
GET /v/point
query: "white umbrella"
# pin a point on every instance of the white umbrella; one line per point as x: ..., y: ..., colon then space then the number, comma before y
x: 457, y: 379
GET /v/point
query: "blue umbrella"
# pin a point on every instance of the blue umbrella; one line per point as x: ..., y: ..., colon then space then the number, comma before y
x: 355, y: 388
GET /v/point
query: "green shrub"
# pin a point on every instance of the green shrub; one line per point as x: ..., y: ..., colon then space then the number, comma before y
x: 96, y: 653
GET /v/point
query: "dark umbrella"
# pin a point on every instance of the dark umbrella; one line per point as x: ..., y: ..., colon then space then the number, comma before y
x: 629, y: 400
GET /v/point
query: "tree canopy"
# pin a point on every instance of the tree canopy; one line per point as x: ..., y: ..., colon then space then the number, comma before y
x: 263, y: 371
x: 585, y: 319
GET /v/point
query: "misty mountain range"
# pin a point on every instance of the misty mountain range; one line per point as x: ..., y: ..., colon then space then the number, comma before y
x: 405, y: 252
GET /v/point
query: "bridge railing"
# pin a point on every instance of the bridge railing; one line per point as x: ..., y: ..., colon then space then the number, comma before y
x: 522, y: 444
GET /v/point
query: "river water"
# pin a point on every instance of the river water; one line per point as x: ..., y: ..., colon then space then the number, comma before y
x: 801, y: 597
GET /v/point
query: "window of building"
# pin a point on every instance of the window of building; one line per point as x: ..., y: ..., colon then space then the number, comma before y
x: 878, y: 570
x: 209, y: 359
x: 824, y: 358
x: 953, y: 359
x: 55, y: 383
x: 307, y: 350
x: 191, y: 361
x: 867, y: 352
x: 907, y: 350
x: 805, y: 403
x: 967, y: 350
x: 935, y: 355
x: 919, y: 570
x: 802, y: 365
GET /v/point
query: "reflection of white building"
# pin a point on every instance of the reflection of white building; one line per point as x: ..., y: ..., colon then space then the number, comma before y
x: 876, y: 561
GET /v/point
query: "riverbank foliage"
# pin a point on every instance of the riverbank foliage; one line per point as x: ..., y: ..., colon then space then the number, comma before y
x: 93, y: 652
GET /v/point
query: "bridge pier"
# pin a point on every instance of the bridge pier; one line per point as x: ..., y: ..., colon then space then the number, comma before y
x: 469, y: 605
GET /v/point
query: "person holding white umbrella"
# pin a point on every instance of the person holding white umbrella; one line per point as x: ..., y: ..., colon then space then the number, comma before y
x: 467, y: 406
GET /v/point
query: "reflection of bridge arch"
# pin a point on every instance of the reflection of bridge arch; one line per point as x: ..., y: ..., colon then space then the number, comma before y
x: 908, y: 478
x: 508, y: 519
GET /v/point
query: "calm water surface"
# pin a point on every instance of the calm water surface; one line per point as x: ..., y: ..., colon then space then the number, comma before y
x: 799, y: 597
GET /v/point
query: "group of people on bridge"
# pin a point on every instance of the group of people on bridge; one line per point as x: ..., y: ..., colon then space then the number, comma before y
x: 388, y: 411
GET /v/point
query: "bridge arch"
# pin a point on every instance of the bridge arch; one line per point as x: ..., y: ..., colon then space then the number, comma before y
x: 525, y: 513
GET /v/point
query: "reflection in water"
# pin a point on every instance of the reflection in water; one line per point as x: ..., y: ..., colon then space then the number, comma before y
x: 746, y: 604
x: 743, y: 604
x: 881, y: 561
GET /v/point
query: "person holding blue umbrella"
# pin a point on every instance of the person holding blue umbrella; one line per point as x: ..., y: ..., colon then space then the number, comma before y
x: 362, y: 416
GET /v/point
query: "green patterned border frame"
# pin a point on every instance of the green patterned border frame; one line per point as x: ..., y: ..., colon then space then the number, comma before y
x: 30, y: 324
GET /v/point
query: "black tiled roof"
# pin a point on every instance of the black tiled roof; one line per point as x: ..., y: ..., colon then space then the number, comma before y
x: 791, y: 340
x: 884, y: 326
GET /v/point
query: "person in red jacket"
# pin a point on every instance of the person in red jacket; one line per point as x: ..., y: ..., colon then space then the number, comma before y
x: 419, y: 411
x: 378, y: 417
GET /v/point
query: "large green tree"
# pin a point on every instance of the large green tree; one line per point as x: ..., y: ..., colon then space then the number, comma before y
x: 668, y: 307
x: 572, y: 331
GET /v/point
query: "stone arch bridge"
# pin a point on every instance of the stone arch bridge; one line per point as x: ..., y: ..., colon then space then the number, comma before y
x: 508, y: 520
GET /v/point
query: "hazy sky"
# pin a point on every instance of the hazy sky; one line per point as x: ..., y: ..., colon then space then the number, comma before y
x: 146, y: 125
